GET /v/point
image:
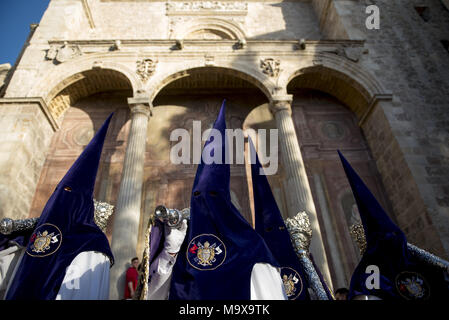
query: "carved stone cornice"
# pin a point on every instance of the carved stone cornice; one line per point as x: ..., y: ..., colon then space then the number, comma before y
x: 128, y: 47
x: 63, y: 53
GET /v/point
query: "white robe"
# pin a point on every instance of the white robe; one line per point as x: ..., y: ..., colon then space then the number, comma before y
x: 87, y: 277
x: 9, y: 259
x: 266, y: 282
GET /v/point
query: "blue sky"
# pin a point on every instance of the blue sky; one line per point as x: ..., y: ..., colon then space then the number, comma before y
x: 15, y: 19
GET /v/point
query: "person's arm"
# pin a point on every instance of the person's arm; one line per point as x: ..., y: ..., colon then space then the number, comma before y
x: 161, y: 268
x: 160, y: 276
x: 131, y: 289
x: 266, y: 283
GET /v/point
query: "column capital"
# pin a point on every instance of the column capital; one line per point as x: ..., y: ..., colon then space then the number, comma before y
x: 140, y: 105
x: 279, y: 103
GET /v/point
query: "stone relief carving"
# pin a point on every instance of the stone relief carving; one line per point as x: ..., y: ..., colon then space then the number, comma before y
x: 51, y: 53
x: 206, y: 6
x: 333, y: 130
x: 351, y: 53
x: 63, y: 53
x: 145, y: 68
x: 82, y: 136
x: 270, y: 66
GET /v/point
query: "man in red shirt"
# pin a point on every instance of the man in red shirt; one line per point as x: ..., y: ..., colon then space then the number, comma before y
x: 132, y: 277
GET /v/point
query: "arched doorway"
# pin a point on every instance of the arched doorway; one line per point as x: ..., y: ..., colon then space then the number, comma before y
x: 192, y: 96
x: 80, y: 104
x: 326, y: 110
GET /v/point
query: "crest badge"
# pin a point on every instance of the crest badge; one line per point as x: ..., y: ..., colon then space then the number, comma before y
x: 206, y: 252
x: 45, y: 240
x: 412, y: 286
x: 292, y: 281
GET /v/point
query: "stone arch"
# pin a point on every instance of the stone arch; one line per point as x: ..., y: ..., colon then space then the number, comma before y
x: 343, y: 79
x: 160, y: 81
x: 68, y: 73
x: 67, y: 85
x: 226, y: 30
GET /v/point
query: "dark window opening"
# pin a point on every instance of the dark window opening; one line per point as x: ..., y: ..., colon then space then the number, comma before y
x: 445, y: 44
x: 424, y: 13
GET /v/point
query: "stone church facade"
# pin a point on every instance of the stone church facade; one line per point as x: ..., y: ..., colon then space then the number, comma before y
x: 309, y: 68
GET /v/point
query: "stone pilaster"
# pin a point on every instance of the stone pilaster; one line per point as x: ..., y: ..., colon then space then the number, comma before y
x: 126, y: 221
x: 298, y: 193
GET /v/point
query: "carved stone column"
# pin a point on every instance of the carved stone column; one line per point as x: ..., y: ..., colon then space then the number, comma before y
x: 126, y: 222
x: 296, y: 183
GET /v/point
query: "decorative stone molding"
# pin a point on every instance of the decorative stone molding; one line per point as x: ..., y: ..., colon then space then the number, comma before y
x: 270, y: 66
x: 207, y: 28
x: 145, y: 68
x: 207, y: 8
x: 63, y: 53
